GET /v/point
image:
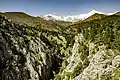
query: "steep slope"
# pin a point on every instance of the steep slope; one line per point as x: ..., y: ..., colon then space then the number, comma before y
x: 95, y: 53
x: 20, y: 17
x: 95, y: 16
x: 25, y: 53
x: 31, y: 53
x: 117, y: 13
x: 23, y: 18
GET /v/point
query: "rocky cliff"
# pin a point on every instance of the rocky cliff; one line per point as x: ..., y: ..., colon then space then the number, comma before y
x: 95, y: 54
x: 25, y: 53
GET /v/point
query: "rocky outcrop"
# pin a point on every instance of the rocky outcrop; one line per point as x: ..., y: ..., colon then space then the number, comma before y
x: 89, y: 61
x: 25, y: 54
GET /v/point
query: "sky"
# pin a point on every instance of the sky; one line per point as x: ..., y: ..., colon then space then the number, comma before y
x: 58, y: 7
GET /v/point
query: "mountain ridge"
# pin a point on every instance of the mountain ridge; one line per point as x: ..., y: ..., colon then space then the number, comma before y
x: 69, y: 18
x: 74, y: 18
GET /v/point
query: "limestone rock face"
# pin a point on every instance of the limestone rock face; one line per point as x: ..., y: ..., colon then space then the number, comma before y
x: 25, y: 54
x: 98, y: 66
x: 92, y: 63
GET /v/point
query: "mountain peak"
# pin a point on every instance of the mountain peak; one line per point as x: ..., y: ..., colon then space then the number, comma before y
x: 93, y: 12
x: 52, y: 17
x: 74, y: 18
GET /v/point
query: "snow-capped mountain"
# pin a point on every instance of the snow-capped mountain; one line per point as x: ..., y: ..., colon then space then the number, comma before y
x: 74, y: 18
x: 52, y: 17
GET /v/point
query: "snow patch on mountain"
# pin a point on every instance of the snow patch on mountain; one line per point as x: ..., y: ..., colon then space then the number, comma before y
x: 74, y: 18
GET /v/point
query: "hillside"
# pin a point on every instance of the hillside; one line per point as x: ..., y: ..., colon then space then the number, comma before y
x: 86, y: 50
x: 20, y: 57
x: 95, y: 53
x: 20, y: 17
x: 26, y: 51
x: 23, y: 18
x: 95, y: 16
x: 118, y: 13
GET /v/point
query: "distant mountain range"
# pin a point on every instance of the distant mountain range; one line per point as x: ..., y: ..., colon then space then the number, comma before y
x: 23, y: 18
x: 51, y: 20
x: 74, y: 18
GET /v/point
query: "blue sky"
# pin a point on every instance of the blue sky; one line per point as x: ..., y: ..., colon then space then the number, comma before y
x: 58, y: 7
